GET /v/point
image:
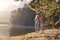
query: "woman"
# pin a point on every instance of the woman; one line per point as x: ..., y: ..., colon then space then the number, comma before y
x: 37, y: 22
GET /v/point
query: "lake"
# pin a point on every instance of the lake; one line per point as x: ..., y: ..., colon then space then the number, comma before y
x: 15, y: 30
x: 4, y: 30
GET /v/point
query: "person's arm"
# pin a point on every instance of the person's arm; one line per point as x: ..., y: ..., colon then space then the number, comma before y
x: 35, y: 19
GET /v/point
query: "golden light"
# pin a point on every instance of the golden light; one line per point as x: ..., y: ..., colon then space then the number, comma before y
x: 3, y: 4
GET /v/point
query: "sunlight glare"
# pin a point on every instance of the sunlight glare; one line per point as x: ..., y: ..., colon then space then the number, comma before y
x: 3, y: 4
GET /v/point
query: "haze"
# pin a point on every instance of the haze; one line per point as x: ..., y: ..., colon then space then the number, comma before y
x: 6, y: 6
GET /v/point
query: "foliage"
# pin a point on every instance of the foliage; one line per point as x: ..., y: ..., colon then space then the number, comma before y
x: 47, y: 6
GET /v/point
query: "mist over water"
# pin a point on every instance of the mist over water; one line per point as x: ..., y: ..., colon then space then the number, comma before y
x: 4, y: 30
x: 6, y: 7
x: 4, y: 23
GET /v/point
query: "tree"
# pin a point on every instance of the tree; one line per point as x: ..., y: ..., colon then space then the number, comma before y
x: 48, y: 8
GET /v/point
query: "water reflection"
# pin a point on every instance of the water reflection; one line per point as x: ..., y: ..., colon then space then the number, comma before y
x: 4, y: 30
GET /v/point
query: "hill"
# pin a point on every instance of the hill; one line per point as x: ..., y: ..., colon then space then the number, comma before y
x: 49, y: 34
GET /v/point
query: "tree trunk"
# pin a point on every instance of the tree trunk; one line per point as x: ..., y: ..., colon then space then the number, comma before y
x: 52, y: 19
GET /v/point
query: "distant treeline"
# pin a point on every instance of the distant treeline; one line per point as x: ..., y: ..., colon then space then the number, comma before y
x: 24, y: 16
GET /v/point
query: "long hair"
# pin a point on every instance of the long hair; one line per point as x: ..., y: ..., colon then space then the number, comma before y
x: 36, y: 17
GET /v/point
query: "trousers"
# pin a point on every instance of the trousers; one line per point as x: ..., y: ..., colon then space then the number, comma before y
x: 36, y: 26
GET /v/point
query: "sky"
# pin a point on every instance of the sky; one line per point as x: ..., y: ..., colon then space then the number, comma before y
x: 6, y: 6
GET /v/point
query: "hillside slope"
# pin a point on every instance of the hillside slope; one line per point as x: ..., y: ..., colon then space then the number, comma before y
x: 50, y: 34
